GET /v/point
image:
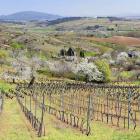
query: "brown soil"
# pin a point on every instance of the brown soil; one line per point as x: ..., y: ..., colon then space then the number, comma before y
x: 116, y: 39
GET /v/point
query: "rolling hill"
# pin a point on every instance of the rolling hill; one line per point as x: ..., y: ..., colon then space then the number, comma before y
x: 30, y: 15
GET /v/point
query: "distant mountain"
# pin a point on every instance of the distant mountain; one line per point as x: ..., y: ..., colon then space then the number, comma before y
x: 128, y: 15
x: 30, y: 15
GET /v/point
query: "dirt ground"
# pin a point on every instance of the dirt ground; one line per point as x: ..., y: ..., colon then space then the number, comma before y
x: 117, y: 39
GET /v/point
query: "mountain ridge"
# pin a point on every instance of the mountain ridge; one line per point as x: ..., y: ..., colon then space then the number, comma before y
x: 30, y: 15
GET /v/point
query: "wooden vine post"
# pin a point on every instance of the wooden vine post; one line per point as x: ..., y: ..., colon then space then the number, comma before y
x: 42, y: 116
x: 129, y: 110
x: 88, y: 114
x: 30, y: 108
x: 63, y: 108
x: 72, y: 111
x: 36, y: 110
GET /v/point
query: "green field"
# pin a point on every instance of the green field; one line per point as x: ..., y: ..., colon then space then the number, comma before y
x: 41, y: 30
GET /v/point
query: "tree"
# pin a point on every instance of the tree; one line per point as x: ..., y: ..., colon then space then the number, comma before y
x: 135, y: 73
x: 88, y: 70
x: 63, y: 52
x: 82, y: 54
x: 102, y: 49
x: 21, y: 70
x: 103, y: 67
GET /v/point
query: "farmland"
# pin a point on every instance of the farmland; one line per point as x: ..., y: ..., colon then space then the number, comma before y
x: 73, y: 80
x: 118, y: 40
x: 105, y: 112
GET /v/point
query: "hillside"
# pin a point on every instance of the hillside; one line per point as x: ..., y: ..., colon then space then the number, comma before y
x: 30, y: 15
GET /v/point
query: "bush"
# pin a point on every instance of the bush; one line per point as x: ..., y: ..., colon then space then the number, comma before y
x: 3, y: 57
x: 102, y: 49
x: 44, y: 72
x: 15, y: 45
x: 103, y: 67
x: 72, y: 76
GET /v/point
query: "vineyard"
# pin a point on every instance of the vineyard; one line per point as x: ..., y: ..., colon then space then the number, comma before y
x: 78, y: 104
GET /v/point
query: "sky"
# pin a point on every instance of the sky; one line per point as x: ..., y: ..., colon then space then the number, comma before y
x: 71, y: 7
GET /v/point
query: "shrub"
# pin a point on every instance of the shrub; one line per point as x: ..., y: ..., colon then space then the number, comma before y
x: 44, y: 72
x: 15, y: 45
x: 103, y: 67
x: 71, y: 76
x: 102, y: 49
x: 26, y: 41
x: 3, y: 57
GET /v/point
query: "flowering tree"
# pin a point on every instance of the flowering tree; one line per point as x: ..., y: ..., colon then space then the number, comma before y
x: 123, y: 55
x: 120, y: 60
x: 62, y: 69
x: 106, y: 56
x: 90, y: 70
x: 21, y: 70
x: 111, y: 62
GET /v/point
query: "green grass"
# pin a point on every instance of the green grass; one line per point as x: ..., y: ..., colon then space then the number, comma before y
x: 90, y: 54
x: 6, y: 86
x: 41, y: 30
x: 44, y: 72
x: 126, y: 74
x: 136, y: 82
x: 13, y: 123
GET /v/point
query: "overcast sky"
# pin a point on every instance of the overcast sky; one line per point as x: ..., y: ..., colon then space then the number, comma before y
x: 71, y: 7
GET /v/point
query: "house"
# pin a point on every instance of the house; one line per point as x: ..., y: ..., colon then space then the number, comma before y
x: 131, y: 55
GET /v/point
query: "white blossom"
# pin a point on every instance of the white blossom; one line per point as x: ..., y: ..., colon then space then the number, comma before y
x: 106, y: 56
x: 111, y: 62
x: 123, y: 55
x: 90, y: 70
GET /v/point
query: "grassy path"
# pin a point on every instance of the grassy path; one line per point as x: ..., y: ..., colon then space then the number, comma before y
x: 15, y: 126
x: 13, y: 123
